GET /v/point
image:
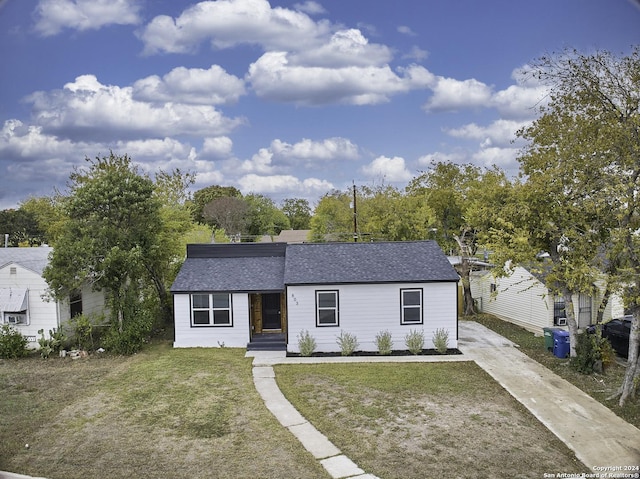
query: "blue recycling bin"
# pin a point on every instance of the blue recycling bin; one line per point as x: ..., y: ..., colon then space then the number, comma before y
x: 561, y: 344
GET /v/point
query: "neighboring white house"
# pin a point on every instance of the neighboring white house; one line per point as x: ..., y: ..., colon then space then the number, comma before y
x: 232, y: 294
x: 24, y: 302
x: 523, y: 298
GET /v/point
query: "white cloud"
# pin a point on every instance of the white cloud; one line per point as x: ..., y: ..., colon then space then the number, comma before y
x: 272, y: 77
x: 344, y: 48
x: 54, y: 15
x: 213, y: 86
x: 259, y: 163
x: 310, y: 7
x: 390, y: 169
x: 405, y: 30
x: 522, y: 99
x: 220, y: 146
x: 328, y: 149
x: 288, y: 184
x: 504, y: 158
x: 100, y: 112
x: 452, y: 94
x: 500, y: 132
x: 416, y: 53
x: 226, y: 23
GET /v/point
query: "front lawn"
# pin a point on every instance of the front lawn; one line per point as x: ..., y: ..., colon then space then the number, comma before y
x: 598, y: 386
x: 163, y: 413
x: 417, y: 420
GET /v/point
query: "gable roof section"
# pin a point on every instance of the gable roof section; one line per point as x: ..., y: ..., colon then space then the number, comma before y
x: 240, y: 267
x: 384, y: 262
x: 33, y: 259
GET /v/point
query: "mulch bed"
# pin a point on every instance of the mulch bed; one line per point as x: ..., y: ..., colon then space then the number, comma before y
x: 403, y: 352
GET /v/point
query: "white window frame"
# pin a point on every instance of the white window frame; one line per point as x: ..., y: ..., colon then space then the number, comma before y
x: 211, y: 310
x: 335, y: 308
x: 404, y: 307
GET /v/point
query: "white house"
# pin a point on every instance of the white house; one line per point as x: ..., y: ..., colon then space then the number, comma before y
x: 24, y: 302
x: 523, y: 298
x: 238, y: 294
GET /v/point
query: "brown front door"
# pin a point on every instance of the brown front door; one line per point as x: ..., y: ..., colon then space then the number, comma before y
x: 271, y: 312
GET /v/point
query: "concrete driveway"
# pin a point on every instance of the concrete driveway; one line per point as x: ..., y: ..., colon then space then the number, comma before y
x: 601, y: 440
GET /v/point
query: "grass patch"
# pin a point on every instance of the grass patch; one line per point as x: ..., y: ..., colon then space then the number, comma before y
x: 415, y: 420
x: 178, y: 413
x: 598, y: 386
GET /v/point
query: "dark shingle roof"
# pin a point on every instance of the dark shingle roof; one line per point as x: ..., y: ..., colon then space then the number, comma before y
x: 385, y: 262
x: 263, y: 267
x: 248, y: 267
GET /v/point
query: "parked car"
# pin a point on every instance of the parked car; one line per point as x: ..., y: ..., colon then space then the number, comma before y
x: 617, y: 331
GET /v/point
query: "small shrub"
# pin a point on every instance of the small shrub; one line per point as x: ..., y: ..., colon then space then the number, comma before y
x: 441, y: 340
x: 13, y: 345
x: 52, y: 344
x: 82, y: 332
x: 414, y: 341
x: 306, y: 343
x: 348, y: 343
x: 587, y: 353
x: 384, y: 343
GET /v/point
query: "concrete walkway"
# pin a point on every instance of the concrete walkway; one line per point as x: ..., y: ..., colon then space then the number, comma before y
x: 600, y: 439
x: 596, y: 435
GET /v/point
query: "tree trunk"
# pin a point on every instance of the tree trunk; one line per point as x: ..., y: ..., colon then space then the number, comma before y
x: 630, y: 383
x: 603, y: 304
x: 571, y: 320
x: 464, y: 270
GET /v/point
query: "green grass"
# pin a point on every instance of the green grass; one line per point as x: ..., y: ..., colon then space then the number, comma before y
x: 415, y: 420
x: 178, y: 413
x: 598, y: 386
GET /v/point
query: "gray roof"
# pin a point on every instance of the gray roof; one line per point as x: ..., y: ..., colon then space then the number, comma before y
x: 34, y: 259
x: 385, y: 262
x: 246, y: 267
x: 264, y: 267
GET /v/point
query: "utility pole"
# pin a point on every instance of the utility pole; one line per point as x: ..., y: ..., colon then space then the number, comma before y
x: 355, y: 215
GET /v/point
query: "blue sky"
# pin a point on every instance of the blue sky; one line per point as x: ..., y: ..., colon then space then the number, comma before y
x: 287, y: 98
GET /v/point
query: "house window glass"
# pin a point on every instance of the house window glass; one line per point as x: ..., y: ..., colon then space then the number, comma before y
x: 211, y: 309
x: 327, y: 308
x: 411, y: 306
x: 75, y: 304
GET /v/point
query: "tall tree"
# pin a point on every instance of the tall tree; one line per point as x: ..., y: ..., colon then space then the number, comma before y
x: 264, y: 217
x: 204, y: 196
x: 110, y: 236
x: 461, y: 198
x: 22, y: 227
x: 582, y: 170
x: 298, y: 211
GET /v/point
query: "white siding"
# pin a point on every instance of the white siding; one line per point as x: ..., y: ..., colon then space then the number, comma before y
x: 41, y: 314
x: 93, y: 305
x: 367, y: 309
x: 522, y: 299
x: 519, y: 298
x: 187, y: 336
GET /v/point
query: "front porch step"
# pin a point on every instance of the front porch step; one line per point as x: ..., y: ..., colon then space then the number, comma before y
x: 267, y: 342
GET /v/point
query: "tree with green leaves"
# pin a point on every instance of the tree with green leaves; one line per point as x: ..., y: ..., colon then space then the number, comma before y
x: 461, y: 199
x: 298, y: 211
x: 582, y: 182
x: 264, y: 217
x: 22, y: 227
x: 111, y: 240
x: 333, y: 217
x: 204, y: 196
x: 598, y: 96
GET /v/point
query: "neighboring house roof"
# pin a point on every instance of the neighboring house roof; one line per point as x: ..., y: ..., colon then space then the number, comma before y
x: 262, y: 267
x: 246, y: 267
x: 293, y: 236
x: 384, y: 262
x: 34, y: 259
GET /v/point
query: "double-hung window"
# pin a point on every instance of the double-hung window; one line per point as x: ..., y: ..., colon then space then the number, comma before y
x: 411, y: 306
x: 327, y: 312
x: 213, y: 309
